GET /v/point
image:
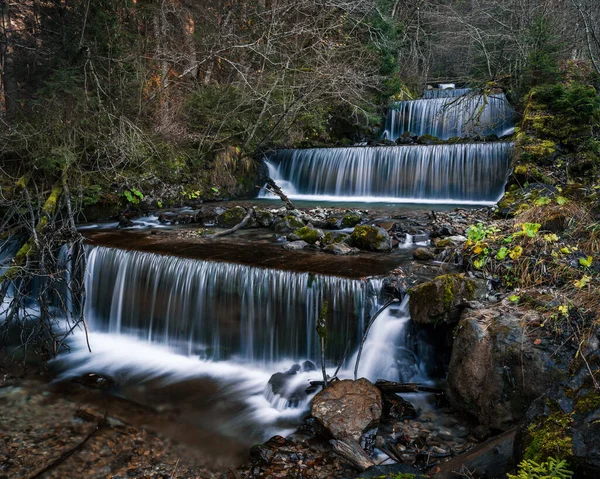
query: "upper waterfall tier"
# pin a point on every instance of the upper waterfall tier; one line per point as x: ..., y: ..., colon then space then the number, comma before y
x: 445, y: 93
x: 447, y: 117
x: 223, y: 310
x: 457, y: 174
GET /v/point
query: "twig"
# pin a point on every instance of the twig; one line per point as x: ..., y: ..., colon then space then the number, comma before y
x: 174, y: 469
x: 64, y: 456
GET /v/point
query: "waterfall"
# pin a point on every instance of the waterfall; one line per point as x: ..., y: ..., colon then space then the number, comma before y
x: 445, y: 116
x: 445, y: 93
x: 388, y: 353
x: 460, y: 173
x: 222, y: 310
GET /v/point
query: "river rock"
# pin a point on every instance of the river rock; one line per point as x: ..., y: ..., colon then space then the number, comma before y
x: 287, y: 224
x: 441, y: 300
x: 307, y: 233
x: 497, y: 369
x: 423, y: 254
x: 231, y: 217
x: 264, y: 218
x: 351, y: 220
x: 287, y: 386
x: 371, y: 238
x: 396, y: 408
x: 348, y: 408
x: 296, y: 245
x: 340, y: 249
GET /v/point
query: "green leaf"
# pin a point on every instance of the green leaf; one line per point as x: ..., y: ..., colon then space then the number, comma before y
x: 530, y: 229
x: 561, y: 200
x: 544, y: 200
x: 502, y: 252
x: 479, y: 262
x: 586, y: 262
x: 514, y: 298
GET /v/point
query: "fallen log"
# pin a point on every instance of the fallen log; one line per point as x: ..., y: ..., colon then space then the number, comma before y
x: 394, y: 387
x: 492, y: 458
x: 240, y: 225
x: 276, y: 190
x: 350, y: 450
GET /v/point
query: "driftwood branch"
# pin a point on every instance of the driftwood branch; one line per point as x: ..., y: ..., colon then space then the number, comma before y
x: 394, y: 387
x: 240, y: 225
x: 350, y: 450
x: 276, y: 190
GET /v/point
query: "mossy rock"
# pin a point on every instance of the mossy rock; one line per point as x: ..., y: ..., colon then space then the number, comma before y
x: 309, y: 234
x: 351, y: 220
x: 371, y: 238
x: 334, y: 237
x: 439, y: 301
x: 231, y: 217
x: 264, y: 218
x: 429, y: 140
x: 528, y: 174
x: 287, y: 224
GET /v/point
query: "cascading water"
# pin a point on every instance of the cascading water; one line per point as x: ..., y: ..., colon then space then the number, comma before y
x: 222, y: 310
x: 445, y: 93
x: 462, y: 173
x: 445, y: 116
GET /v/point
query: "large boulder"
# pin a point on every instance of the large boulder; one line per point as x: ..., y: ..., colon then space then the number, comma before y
x: 497, y: 369
x: 231, y: 217
x: 371, y: 238
x: 565, y: 422
x: 440, y: 301
x: 348, y: 408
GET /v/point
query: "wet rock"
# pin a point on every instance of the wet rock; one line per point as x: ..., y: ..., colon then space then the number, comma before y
x: 395, y: 408
x: 334, y: 222
x: 441, y: 300
x: 231, y: 217
x: 96, y: 381
x: 395, y: 286
x: 308, y: 366
x: 287, y: 224
x: 335, y: 237
x: 371, y: 238
x: 307, y: 233
x: 296, y: 245
x: 340, y: 249
x: 287, y: 386
x: 423, y: 254
x: 264, y: 218
x: 125, y: 222
x: 496, y: 369
x: 348, y: 408
x: 351, y: 220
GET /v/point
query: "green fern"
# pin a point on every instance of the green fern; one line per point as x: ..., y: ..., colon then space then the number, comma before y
x: 551, y: 469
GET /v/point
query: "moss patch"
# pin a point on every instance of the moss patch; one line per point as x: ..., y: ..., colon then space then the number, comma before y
x: 550, y: 436
x: 308, y: 234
